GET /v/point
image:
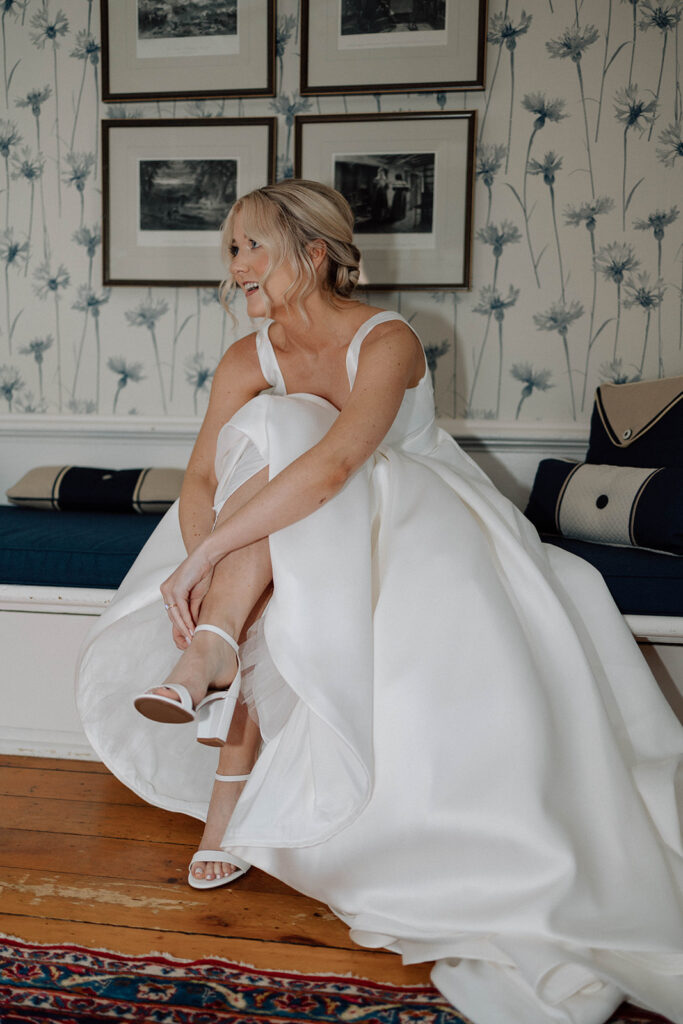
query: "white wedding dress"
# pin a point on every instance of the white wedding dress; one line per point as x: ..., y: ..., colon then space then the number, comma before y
x: 464, y: 753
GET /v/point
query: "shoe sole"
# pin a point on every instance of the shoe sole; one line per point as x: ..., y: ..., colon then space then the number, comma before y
x: 160, y: 711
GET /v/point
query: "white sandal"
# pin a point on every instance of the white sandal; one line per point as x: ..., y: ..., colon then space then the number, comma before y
x: 206, y: 856
x: 213, y: 714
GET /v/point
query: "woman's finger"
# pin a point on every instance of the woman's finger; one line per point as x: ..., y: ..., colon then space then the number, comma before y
x: 181, y: 609
x: 181, y: 625
x: 179, y: 638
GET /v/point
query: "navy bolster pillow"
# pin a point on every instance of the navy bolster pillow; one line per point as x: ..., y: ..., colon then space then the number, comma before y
x: 88, y: 489
x: 625, y: 505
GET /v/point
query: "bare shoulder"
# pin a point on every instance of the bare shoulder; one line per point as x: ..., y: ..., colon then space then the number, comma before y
x: 241, y: 364
x: 392, y: 334
x: 393, y: 346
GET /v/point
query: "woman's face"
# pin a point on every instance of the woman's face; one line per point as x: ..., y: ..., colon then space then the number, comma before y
x: 248, y: 266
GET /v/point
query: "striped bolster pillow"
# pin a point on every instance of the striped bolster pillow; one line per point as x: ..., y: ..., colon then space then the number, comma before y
x: 150, y: 491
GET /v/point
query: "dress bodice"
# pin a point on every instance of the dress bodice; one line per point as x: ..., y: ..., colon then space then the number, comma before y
x: 413, y: 428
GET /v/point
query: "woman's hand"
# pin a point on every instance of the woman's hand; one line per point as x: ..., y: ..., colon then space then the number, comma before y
x: 184, y: 591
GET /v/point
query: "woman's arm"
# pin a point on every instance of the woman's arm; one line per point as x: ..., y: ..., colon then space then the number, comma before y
x: 237, y: 379
x: 389, y: 360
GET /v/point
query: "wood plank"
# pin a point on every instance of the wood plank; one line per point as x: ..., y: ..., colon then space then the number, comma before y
x: 231, y: 910
x: 85, y: 859
x: 157, y: 863
x: 90, y: 818
x: 59, y: 785
x: 372, y: 964
x: 63, y: 764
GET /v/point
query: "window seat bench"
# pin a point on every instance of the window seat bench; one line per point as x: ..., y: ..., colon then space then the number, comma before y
x: 43, y: 548
x: 60, y: 570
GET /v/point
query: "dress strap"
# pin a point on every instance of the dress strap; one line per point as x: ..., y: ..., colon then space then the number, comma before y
x: 270, y: 368
x: 353, y: 351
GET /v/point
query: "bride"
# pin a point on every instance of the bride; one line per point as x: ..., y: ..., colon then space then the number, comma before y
x: 425, y: 717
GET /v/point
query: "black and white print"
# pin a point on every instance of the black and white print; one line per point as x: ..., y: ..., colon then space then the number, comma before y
x: 390, y: 193
x: 177, y: 28
x: 186, y: 195
x: 172, y: 19
x: 369, y: 17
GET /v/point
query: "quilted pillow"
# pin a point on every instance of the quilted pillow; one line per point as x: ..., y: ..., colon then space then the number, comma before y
x: 104, y: 490
x: 624, y: 505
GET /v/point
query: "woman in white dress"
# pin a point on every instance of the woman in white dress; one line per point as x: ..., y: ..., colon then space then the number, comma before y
x: 460, y: 748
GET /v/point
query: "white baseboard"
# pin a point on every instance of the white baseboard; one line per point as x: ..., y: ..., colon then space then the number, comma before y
x: 46, y: 743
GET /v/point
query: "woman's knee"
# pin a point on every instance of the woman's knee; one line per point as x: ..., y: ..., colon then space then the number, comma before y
x: 242, y: 494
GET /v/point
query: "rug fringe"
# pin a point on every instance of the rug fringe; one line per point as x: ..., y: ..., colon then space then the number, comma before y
x: 240, y: 965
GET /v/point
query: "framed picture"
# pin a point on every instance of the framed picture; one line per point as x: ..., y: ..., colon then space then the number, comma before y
x: 409, y: 179
x: 374, y: 46
x: 197, y: 49
x: 167, y: 187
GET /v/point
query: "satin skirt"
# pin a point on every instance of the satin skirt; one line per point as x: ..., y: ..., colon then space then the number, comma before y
x: 465, y: 755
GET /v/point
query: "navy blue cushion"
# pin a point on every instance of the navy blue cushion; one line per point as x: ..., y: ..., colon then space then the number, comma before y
x: 72, y: 549
x: 641, y: 582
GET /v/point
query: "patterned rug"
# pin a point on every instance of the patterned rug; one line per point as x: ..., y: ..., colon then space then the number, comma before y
x: 46, y: 984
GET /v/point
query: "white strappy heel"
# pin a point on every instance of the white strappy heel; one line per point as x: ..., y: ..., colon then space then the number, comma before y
x: 214, y: 713
x: 206, y: 856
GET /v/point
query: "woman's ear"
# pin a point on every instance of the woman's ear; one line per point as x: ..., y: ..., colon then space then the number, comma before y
x: 317, y: 250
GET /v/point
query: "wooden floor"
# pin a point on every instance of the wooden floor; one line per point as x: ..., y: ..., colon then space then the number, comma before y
x: 84, y: 860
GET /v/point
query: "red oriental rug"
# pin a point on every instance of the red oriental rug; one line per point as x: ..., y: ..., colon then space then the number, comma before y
x: 47, y: 984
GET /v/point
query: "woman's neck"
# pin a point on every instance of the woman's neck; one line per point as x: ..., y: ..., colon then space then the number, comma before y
x: 326, y: 323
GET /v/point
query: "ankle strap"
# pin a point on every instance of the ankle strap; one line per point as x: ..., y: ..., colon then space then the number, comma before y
x: 219, y: 632
x: 232, y: 778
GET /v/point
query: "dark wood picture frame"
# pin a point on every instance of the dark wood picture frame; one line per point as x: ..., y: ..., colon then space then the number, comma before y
x: 331, y: 66
x: 424, y: 241
x: 130, y: 248
x: 126, y: 79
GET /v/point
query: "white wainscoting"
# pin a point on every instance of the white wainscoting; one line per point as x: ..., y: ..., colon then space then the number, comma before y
x: 509, y: 453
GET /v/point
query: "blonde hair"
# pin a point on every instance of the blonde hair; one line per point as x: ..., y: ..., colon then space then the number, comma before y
x: 286, y: 218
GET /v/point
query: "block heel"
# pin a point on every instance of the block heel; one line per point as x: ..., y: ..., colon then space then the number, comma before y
x: 214, y: 713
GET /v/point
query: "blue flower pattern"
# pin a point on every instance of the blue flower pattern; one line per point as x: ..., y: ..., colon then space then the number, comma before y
x: 600, y: 83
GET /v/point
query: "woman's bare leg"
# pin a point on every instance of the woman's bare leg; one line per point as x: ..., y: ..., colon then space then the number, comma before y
x: 239, y: 592
x: 238, y: 583
x: 237, y: 757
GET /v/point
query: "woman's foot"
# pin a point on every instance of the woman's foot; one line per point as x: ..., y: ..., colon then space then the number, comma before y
x: 207, y: 664
x: 223, y: 802
x: 237, y: 757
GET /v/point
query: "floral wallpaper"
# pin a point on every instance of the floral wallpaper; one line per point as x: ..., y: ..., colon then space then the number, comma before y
x: 578, y: 252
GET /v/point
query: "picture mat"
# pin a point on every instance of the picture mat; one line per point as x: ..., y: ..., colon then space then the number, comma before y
x: 128, y: 259
x: 444, y: 264
x: 331, y: 64
x: 390, y: 40
x: 130, y: 75
x: 188, y: 46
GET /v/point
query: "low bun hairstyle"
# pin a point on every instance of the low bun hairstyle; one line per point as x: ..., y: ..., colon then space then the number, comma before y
x: 286, y: 218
